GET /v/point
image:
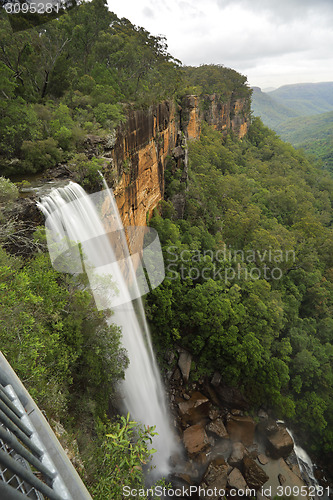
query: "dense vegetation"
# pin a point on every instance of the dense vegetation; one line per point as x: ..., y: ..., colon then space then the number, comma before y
x: 301, y: 115
x: 73, y: 76
x: 78, y: 75
x: 215, y: 78
x: 313, y: 134
x: 249, y: 286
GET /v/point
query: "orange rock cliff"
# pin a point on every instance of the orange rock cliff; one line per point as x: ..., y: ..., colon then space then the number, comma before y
x: 136, y: 154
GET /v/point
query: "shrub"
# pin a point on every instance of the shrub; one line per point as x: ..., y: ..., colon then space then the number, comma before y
x: 64, y: 138
x: 123, y: 452
x: 87, y: 170
x: 8, y: 190
x: 40, y: 155
x: 108, y: 115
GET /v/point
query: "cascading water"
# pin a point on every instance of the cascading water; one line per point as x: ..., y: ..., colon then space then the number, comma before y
x: 77, y: 233
x: 304, y: 462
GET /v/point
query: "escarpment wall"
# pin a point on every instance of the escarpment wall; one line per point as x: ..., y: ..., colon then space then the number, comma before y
x: 139, y: 156
x: 136, y: 155
x: 225, y: 116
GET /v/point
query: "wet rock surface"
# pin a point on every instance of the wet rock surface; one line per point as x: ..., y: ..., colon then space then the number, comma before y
x: 280, y: 444
x: 223, y: 446
x: 216, y: 477
x: 254, y: 475
x: 241, y: 429
x: 195, y: 439
x: 217, y: 427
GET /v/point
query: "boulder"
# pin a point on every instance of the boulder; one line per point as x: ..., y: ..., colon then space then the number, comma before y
x: 236, y: 480
x: 195, y: 439
x: 262, y: 459
x: 282, y: 479
x: 184, y: 363
x: 215, y: 478
x: 195, y: 409
x: 241, y: 429
x: 231, y: 397
x: 254, y: 475
x: 217, y: 427
x: 237, y: 455
x: 268, y: 427
x: 279, y: 444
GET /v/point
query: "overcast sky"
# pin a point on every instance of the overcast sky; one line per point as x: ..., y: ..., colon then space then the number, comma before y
x: 272, y: 42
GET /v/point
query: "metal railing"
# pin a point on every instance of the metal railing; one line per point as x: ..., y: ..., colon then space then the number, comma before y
x: 32, y: 462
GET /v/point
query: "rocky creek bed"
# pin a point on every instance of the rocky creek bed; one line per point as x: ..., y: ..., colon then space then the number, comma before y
x: 224, y: 448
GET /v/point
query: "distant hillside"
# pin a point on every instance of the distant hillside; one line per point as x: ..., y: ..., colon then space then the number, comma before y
x: 290, y: 101
x: 306, y: 98
x: 272, y: 111
x: 312, y: 133
x: 301, y: 114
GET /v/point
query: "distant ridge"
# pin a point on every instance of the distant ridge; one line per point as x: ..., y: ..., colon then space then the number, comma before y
x: 301, y: 114
x: 272, y: 111
x: 306, y: 98
x: 291, y: 101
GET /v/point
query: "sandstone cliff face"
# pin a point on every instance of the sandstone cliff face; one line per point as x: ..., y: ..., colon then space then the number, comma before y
x: 139, y: 156
x: 139, y: 150
x: 224, y: 116
x: 190, y: 117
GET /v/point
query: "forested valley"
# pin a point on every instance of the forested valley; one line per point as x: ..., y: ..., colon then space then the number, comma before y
x: 249, y: 265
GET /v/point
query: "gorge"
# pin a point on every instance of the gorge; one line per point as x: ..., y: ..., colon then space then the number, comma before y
x: 237, y: 347
x: 143, y: 145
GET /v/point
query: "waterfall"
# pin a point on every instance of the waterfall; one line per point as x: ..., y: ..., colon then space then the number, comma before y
x: 304, y: 462
x: 79, y: 241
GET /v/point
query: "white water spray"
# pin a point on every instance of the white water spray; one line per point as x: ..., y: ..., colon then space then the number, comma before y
x: 304, y: 461
x: 73, y: 218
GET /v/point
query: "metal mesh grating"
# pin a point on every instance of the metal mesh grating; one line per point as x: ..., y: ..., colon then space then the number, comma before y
x: 11, y: 478
x: 22, y: 466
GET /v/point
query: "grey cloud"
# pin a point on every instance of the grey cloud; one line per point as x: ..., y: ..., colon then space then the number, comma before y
x: 148, y: 12
x: 285, y: 10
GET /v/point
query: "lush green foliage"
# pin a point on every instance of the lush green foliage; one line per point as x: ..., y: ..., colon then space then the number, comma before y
x: 249, y: 275
x: 54, y: 338
x: 73, y: 76
x: 313, y: 134
x: 8, y: 190
x: 125, y: 451
x: 215, y: 78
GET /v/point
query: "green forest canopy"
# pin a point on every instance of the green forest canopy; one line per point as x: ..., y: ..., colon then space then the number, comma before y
x: 260, y: 312
x: 79, y: 74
